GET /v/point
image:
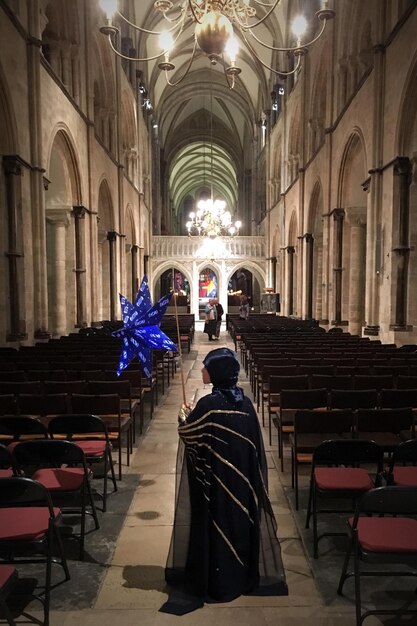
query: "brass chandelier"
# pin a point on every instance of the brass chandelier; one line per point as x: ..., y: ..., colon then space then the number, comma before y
x: 218, y: 26
x: 211, y: 219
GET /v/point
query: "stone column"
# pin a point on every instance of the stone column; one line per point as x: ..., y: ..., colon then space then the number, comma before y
x: 80, y: 270
x: 338, y: 217
x: 309, y: 242
x: 402, y: 180
x: 325, y: 274
x: 111, y: 238
x: 59, y: 218
x: 13, y: 172
x: 274, y: 273
x: 101, y: 238
x: 40, y: 288
x: 290, y: 280
x: 135, y: 281
x: 356, y: 217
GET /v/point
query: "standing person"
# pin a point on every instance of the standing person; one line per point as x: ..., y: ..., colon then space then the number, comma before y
x: 219, y: 311
x: 210, y: 325
x: 244, y: 307
x: 224, y: 541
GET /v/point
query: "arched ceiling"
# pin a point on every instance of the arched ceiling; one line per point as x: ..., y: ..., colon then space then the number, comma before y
x: 177, y: 110
x: 201, y: 167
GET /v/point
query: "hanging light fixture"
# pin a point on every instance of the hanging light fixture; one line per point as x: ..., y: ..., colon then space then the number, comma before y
x: 211, y: 219
x: 217, y: 24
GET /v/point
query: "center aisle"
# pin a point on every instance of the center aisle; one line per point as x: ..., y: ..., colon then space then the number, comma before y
x: 134, y: 588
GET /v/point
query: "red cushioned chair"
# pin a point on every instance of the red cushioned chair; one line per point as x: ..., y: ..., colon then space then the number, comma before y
x: 336, y: 473
x: 61, y: 467
x: 403, y: 466
x: 8, y: 579
x: 28, y: 525
x: 377, y: 537
x: 90, y: 434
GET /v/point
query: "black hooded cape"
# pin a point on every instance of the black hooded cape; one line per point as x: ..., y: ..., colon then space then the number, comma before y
x: 224, y: 541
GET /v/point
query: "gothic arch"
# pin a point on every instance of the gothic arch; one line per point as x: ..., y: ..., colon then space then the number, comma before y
x: 106, y: 224
x: 351, y: 197
x: 62, y: 195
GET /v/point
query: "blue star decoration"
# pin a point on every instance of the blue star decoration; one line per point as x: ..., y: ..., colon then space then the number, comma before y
x: 141, y: 333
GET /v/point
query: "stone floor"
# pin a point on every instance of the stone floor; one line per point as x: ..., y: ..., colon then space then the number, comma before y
x: 132, y: 588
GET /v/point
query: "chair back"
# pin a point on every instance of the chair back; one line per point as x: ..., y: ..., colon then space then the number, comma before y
x: 373, y: 382
x: 308, y: 421
x: 388, y: 501
x: 353, y: 398
x: 318, y: 381
x: 383, y: 420
x: 15, y: 426
x: 277, y: 383
x: 48, y: 453
x: 348, y: 452
x: 21, y: 491
x: 72, y: 424
x: 398, y: 398
x: 303, y: 398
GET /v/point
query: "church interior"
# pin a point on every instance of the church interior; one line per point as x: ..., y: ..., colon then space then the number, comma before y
x: 282, y: 170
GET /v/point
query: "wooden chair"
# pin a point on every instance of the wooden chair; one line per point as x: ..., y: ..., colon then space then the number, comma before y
x: 383, y: 426
x: 291, y: 401
x: 276, y: 384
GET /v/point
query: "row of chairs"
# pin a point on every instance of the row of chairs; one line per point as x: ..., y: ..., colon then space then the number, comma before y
x: 383, y: 528
x: 88, y: 430
x: 290, y: 395
x: 57, y: 482
x: 120, y: 424
x: 387, y: 427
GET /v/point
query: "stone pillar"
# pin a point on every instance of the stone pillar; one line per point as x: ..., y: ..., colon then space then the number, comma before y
x: 338, y: 217
x: 101, y: 238
x: 290, y: 280
x: 356, y: 217
x: 402, y: 180
x: 274, y: 273
x: 40, y: 287
x: 12, y: 170
x: 59, y: 218
x: 111, y: 238
x: 80, y: 270
x: 135, y: 281
x: 318, y: 280
x: 325, y: 274
x: 309, y: 242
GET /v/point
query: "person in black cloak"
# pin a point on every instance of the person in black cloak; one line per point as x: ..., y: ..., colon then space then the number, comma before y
x: 224, y: 541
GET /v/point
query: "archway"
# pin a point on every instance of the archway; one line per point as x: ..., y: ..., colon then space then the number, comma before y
x: 105, y: 241
x: 60, y: 198
x: 353, y: 267
x: 208, y: 287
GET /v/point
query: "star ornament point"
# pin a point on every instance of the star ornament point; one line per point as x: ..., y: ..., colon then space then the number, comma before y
x: 141, y: 333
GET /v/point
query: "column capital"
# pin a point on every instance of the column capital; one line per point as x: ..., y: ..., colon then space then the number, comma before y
x: 13, y: 164
x: 402, y: 166
x: 59, y: 215
x: 338, y: 214
x: 79, y: 211
x: 356, y: 215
